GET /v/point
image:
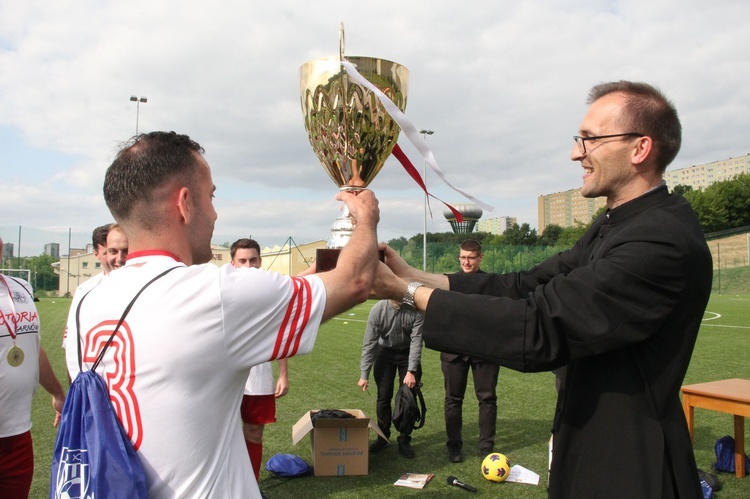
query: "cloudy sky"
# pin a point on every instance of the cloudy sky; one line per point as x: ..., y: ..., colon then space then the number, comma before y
x: 502, y: 84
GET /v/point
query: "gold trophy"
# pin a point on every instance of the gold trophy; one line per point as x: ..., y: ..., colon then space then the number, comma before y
x: 349, y: 129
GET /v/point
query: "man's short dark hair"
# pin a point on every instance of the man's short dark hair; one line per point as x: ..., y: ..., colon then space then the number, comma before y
x: 245, y: 243
x: 647, y: 111
x: 472, y: 245
x: 144, y: 164
x: 99, y: 236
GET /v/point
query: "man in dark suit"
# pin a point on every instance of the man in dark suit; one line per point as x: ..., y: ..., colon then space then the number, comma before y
x: 456, y: 372
x: 621, y: 309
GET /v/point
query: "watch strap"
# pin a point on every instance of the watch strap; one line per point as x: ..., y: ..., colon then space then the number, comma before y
x: 409, y: 295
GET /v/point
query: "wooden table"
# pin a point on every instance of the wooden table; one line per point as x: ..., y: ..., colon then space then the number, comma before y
x: 731, y: 396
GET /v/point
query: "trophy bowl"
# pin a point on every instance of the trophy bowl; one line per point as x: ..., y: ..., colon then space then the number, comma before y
x: 349, y: 129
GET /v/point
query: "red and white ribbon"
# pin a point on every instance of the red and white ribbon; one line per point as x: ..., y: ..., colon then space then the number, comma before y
x: 412, y: 134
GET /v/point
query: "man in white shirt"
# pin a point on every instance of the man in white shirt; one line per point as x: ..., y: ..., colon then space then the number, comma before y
x: 99, y: 242
x: 259, y: 401
x: 23, y: 365
x: 185, y: 350
x: 117, y: 247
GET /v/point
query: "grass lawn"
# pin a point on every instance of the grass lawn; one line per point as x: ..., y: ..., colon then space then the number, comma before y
x: 327, y: 379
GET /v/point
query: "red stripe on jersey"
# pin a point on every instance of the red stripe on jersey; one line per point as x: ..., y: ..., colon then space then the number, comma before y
x: 295, y: 320
x: 304, y: 311
x: 301, y: 318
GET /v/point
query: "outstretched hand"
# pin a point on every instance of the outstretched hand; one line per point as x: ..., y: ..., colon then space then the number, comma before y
x: 394, y: 261
x: 388, y: 285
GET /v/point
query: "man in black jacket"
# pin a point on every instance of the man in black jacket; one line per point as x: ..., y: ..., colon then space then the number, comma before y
x: 621, y: 309
x: 456, y: 372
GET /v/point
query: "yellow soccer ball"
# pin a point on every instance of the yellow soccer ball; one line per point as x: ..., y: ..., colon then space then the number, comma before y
x: 496, y: 467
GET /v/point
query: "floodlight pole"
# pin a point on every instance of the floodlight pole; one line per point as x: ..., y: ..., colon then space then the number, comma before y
x: 137, y: 101
x: 425, y: 133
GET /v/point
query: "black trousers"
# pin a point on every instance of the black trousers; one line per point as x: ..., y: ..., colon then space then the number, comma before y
x: 388, y: 364
x: 456, y: 373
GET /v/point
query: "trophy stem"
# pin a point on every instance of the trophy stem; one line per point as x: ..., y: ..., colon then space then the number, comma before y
x: 343, y: 226
x: 341, y: 231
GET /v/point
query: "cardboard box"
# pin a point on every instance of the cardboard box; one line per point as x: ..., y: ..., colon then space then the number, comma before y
x: 340, y: 446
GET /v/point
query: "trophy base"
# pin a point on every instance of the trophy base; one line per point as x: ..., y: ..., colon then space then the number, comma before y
x: 326, y: 258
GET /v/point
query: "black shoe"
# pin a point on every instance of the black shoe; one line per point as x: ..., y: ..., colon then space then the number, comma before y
x: 454, y: 456
x: 484, y: 451
x: 379, y: 445
x: 404, y: 448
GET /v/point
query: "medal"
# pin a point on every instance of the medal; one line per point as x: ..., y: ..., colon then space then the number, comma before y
x: 15, y: 356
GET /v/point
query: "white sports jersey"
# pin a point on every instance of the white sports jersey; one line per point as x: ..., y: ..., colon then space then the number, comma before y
x: 177, y: 367
x: 261, y: 381
x: 19, y: 319
x: 90, y: 284
x: 82, y: 290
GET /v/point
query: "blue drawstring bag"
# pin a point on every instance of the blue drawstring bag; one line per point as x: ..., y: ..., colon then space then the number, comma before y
x: 724, y: 449
x: 288, y: 465
x: 93, y: 455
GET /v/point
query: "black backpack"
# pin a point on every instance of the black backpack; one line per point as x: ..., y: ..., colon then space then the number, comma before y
x: 409, y: 411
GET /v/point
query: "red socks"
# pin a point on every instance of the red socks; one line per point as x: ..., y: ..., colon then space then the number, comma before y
x: 256, y: 456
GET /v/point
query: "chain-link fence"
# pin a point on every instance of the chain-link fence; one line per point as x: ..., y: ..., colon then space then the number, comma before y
x: 731, y: 268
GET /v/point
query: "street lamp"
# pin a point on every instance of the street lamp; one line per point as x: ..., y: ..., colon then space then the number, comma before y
x: 425, y: 133
x: 137, y: 101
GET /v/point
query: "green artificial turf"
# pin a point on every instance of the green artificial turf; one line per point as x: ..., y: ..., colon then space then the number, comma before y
x: 327, y: 378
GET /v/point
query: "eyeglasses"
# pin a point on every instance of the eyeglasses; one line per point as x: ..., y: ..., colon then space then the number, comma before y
x: 468, y: 258
x: 581, y: 141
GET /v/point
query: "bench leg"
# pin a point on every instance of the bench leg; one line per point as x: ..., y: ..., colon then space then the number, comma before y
x: 739, y: 446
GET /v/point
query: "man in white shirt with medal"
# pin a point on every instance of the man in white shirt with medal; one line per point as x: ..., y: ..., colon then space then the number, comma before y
x: 23, y: 364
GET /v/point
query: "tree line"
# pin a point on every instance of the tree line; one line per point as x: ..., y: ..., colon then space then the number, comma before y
x: 721, y: 205
x: 43, y: 277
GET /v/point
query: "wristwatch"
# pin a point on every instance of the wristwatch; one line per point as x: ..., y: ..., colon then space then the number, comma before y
x: 408, y: 298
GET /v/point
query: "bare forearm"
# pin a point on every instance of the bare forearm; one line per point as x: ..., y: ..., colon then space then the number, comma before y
x: 422, y: 298
x: 47, y: 377
x: 350, y: 282
x: 283, y: 367
x: 49, y: 381
x: 434, y: 281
